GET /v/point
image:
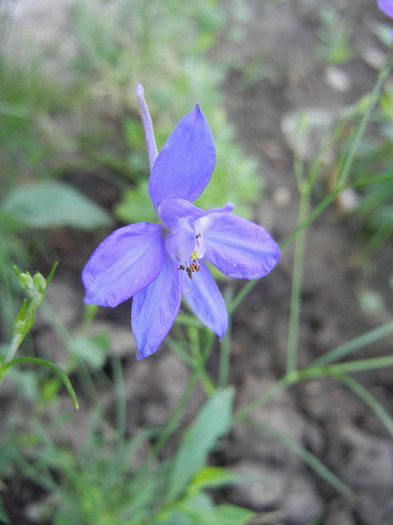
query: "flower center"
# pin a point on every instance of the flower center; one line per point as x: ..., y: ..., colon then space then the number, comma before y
x: 194, y: 266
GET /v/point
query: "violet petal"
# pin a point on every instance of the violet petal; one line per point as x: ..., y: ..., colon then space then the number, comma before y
x: 172, y: 209
x: 125, y: 262
x: 186, y: 161
x: 237, y: 247
x: 205, y: 299
x: 154, y: 309
x: 386, y: 6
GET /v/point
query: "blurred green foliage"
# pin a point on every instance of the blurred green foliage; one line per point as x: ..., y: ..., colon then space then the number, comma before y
x: 35, y: 288
x: 166, y: 48
x: 334, y: 35
x: 372, y: 173
x: 98, y: 483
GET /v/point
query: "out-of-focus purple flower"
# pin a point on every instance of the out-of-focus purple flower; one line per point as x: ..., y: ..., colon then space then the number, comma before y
x: 157, y: 263
x: 386, y: 6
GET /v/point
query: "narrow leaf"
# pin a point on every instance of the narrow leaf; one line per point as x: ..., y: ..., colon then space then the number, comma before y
x: 209, y: 477
x: 231, y: 515
x: 368, y: 398
x: 213, y: 421
x: 63, y: 376
x: 308, y: 458
x: 355, y: 344
x: 51, y: 274
x: 202, y: 511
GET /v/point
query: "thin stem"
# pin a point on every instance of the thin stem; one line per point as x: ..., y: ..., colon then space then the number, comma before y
x: 225, y: 347
x: 297, y: 277
x: 6, y: 295
x: 356, y: 366
x: 373, y: 98
x: 341, y: 368
x: 354, y: 344
x: 15, y: 343
x: 241, y: 295
x: 225, y: 356
x: 306, y: 456
x: 191, y: 362
x: 325, y: 203
x: 244, y: 412
x: 370, y: 400
x: 313, y: 372
x: 172, y: 423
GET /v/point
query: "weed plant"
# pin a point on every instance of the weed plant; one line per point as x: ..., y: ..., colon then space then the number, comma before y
x: 112, y: 478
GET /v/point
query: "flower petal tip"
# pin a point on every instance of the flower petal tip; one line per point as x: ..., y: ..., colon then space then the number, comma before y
x: 140, y: 354
x: 386, y: 6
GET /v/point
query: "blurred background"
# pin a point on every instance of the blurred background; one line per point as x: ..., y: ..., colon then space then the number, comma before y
x: 281, y: 83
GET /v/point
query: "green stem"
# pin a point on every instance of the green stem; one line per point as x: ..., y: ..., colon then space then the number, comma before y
x: 244, y: 412
x: 15, y: 344
x: 352, y: 366
x: 225, y: 347
x: 325, y: 203
x: 6, y: 295
x: 189, y: 360
x: 297, y: 277
x: 225, y: 356
x: 370, y: 400
x: 349, y: 157
x: 291, y: 378
x: 354, y: 344
x: 373, y: 99
x: 172, y: 423
x: 241, y: 295
x: 306, y: 456
x: 63, y: 376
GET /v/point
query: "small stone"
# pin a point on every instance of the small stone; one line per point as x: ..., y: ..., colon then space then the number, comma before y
x: 363, y: 460
x: 301, y: 502
x: 340, y: 517
x: 348, y: 200
x: 338, y: 79
x: 374, y: 58
x: 376, y: 507
x: 266, y: 492
x: 282, y: 196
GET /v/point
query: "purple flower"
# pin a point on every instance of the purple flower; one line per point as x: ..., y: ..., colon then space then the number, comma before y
x: 386, y: 6
x: 157, y: 263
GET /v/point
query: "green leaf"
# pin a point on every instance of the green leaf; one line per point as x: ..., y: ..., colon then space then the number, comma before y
x: 63, y: 376
x: 174, y: 517
x: 202, y: 511
x: 209, y: 477
x: 51, y: 204
x: 213, y: 421
x: 143, y: 498
x: 230, y: 515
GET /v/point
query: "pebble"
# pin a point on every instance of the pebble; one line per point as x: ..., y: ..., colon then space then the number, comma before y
x: 338, y: 79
